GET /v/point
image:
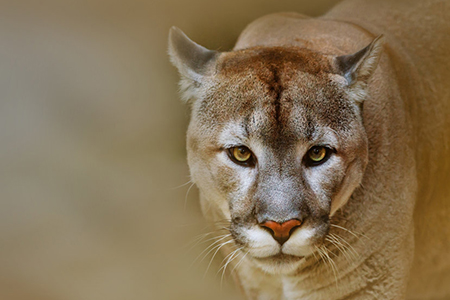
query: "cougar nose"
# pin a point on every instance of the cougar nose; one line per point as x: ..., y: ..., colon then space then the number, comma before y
x: 281, y: 232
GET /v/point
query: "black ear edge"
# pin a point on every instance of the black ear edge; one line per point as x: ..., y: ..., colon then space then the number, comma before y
x: 190, y: 58
x: 367, y: 58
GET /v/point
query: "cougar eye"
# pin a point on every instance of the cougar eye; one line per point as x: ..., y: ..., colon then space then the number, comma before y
x: 317, y: 155
x: 241, y: 155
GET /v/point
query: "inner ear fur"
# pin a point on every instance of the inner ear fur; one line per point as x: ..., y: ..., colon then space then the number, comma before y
x: 192, y: 61
x: 359, y: 67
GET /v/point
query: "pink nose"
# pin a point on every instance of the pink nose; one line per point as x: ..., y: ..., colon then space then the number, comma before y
x: 282, y: 232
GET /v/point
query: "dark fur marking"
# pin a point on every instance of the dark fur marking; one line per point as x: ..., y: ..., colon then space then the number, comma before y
x: 274, y: 88
x: 269, y: 80
x: 275, y: 67
x: 258, y: 58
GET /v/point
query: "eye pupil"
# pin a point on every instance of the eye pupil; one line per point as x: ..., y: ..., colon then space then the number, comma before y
x: 317, y: 154
x: 241, y: 155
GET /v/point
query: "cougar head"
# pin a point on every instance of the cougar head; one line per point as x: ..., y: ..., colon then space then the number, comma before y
x: 276, y: 142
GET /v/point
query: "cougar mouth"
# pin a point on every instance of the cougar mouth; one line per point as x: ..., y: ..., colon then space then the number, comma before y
x: 279, y: 263
x: 280, y: 257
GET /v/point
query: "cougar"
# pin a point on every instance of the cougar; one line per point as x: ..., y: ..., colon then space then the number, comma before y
x: 322, y: 147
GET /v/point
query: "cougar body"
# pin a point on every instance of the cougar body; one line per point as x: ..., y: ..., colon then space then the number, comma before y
x: 374, y: 212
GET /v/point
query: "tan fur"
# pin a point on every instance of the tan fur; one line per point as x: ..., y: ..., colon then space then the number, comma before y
x: 281, y: 75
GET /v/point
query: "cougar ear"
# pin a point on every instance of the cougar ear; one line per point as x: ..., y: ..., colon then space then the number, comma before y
x: 359, y: 67
x: 192, y: 60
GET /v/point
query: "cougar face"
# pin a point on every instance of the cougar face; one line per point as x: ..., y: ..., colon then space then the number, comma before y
x: 276, y: 145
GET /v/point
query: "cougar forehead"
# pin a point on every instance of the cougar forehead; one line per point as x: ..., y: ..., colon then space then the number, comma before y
x: 278, y: 94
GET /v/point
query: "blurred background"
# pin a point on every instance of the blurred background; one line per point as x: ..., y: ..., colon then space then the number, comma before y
x: 92, y: 148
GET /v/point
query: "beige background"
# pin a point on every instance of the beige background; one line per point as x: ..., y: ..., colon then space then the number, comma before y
x: 92, y: 148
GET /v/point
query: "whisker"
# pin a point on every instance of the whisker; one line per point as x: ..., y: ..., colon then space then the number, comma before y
x: 213, y: 247
x: 332, y: 264
x: 212, y: 258
x: 335, y: 241
x: 202, y: 236
x: 314, y: 254
x: 215, y: 225
x: 225, y: 258
x: 344, y: 245
x: 198, y: 238
x: 358, y: 235
x: 187, y: 194
x: 350, y: 248
x: 180, y: 186
x: 230, y: 259
x: 240, y: 261
x: 319, y: 251
x: 218, y: 246
x: 222, y: 220
x: 205, y: 241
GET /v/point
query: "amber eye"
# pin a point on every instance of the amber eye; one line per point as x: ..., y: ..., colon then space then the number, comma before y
x: 241, y: 155
x: 317, y: 155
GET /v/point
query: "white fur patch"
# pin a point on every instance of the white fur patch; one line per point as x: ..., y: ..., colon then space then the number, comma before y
x: 261, y: 243
x: 233, y: 134
x: 299, y: 244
